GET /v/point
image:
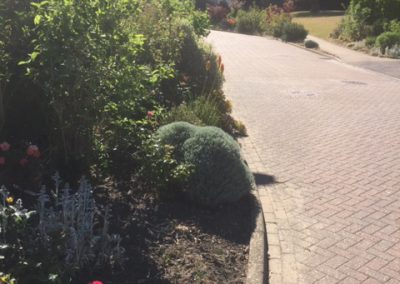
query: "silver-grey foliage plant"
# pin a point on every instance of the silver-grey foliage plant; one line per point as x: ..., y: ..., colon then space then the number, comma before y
x: 74, y: 215
x: 393, y: 52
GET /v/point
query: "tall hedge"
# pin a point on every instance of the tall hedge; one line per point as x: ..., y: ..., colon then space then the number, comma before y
x: 373, y: 10
x: 323, y: 4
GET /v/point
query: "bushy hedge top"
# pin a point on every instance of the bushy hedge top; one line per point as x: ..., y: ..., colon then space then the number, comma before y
x: 220, y: 175
x: 373, y: 10
x: 176, y: 134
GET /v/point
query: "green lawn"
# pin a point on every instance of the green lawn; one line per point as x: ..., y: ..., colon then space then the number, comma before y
x: 321, y: 24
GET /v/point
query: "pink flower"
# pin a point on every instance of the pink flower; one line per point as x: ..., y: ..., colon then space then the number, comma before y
x: 4, y: 146
x: 23, y: 162
x: 2, y: 161
x: 95, y: 282
x: 33, y: 151
x: 150, y: 114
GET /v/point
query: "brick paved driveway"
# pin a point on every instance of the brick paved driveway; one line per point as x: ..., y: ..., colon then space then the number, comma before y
x: 330, y: 134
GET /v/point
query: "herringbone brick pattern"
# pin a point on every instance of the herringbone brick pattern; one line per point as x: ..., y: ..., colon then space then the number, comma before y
x: 330, y: 134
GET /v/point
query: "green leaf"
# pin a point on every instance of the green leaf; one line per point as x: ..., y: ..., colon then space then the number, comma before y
x: 37, y: 20
x: 39, y: 5
x: 24, y: 62
x: 53, y: 277
x: 34, y: 55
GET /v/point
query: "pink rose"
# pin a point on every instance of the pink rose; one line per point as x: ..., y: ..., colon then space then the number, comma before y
x: 150, y: 114
x: 2, y: 161
x: 95, y: 282
x: 4, y: 146
x: 23, y: 162
x: 36, y: 154
x: 33, y: 151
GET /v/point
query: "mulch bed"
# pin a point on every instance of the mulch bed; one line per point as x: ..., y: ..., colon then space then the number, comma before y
x: 176, y: 241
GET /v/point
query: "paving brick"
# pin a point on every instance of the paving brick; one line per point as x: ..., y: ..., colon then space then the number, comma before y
x: 330, y: 135
x: 336, y: 261
x: 376, y: 263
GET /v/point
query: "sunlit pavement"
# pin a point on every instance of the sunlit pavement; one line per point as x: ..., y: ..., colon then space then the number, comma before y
x: 330, y: 134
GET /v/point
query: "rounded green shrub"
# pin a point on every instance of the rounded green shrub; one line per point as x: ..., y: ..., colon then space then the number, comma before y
x: 220, y: 175
x: 251, y: 22
x: 176, y: 134
x: 311, y: 44
x: 293, y: 32
x: 387, y: 40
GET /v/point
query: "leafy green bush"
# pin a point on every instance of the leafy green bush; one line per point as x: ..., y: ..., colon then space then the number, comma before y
x: 387, y: 9
x: 356, y: 28
x: 217, y: 172
x: 220, y: 175
x: 311, y: 44
x: 200, y: 65
x: 394, y: 26
x: 370, y: 41
x: 276, y: 18
x: 369, y: 18
x: 251, y: 21
x: 175, y: 134
x: 160, y: 167
x: 387, y: 40
x: 293, y: 32
x: 78, y: 78
x: 72, y: 68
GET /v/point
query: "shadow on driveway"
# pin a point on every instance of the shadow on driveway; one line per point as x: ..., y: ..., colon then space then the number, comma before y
x: 263, y: 179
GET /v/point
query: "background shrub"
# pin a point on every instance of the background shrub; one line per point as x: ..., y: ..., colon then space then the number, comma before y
x: 387, y: 40
x: 323, y: 5
x: 370, y: 41
x: 220, y: 175
x: 251, y: 21
x: 293, y: 32
x: 369, y: 18
x: 311, y: 44
x: 276, y: 17
x: 218, y: 12
x: 394, y: 26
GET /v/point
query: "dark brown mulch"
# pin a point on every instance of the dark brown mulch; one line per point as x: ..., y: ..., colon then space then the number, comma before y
x: 176, y: 241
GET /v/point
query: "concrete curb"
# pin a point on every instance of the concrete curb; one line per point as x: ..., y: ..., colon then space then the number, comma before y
x: 266, y: 258
x: 257, y: 264
x: 318, y: 51
x: 322, y: 52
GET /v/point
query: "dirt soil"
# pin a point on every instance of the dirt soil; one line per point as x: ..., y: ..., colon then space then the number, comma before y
x: 176, y: 241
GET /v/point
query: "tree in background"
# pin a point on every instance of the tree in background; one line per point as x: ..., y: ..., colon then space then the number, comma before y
x: 316, y: 5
